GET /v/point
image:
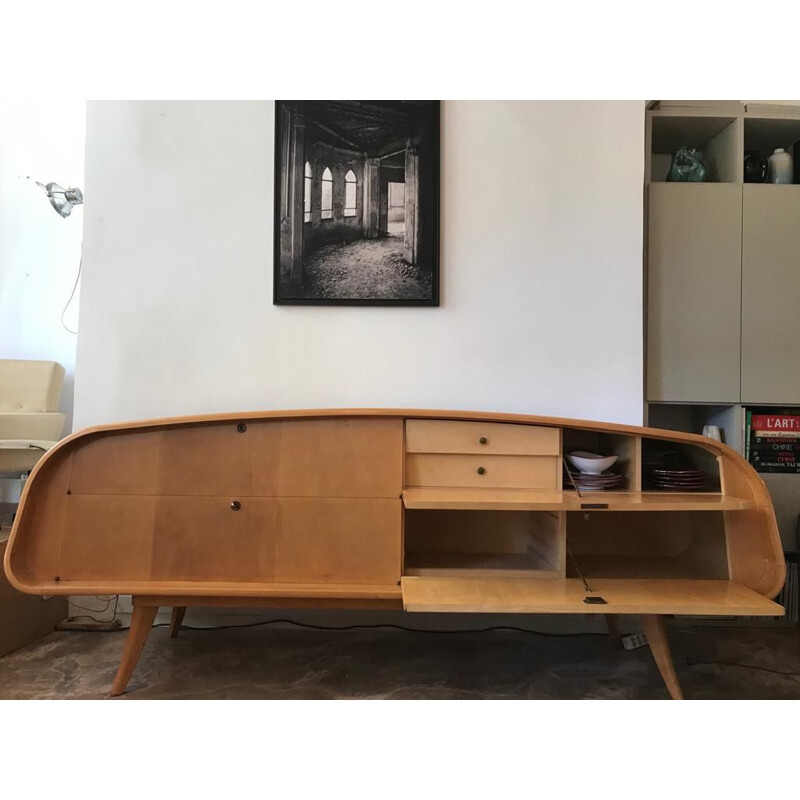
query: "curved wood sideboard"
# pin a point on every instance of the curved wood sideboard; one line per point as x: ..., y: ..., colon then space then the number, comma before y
x: 435, y: 511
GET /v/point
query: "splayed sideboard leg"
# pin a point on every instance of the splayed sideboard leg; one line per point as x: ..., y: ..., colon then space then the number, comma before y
x: 659, y: 647
x: 176, y: 621
x: 612, y: 623
x: 141, y: 623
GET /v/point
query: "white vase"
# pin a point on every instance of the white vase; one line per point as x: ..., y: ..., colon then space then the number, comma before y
x: 780, y: 167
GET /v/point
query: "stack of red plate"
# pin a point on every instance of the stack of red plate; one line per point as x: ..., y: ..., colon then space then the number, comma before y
x: 679, y: 480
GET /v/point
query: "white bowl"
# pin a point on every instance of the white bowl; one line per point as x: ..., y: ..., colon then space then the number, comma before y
x: 591, y: 462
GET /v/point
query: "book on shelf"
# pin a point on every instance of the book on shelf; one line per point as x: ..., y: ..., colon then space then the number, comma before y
x: 775, y: 422
x: 772, y: 442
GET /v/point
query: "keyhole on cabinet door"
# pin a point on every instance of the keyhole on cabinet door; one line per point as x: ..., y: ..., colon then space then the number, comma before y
x: 483, y: 440
x: 481, y: 471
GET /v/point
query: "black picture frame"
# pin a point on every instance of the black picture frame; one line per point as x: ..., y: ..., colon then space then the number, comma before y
x: 364, y: 143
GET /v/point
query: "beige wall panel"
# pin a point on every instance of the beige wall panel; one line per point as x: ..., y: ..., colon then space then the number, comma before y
x: 694, y: 292
x: 770, y: 294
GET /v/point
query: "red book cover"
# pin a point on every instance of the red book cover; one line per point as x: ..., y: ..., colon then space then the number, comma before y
x: 783, y: 423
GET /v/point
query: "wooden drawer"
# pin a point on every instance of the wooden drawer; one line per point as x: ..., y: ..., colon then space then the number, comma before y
x: 497, y: 472
x: 495, y: 438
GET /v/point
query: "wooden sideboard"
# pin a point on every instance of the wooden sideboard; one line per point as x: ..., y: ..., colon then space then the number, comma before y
x: 428, y: 511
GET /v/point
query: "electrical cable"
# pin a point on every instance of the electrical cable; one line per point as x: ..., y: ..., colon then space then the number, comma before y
x: 386, y: 625
x: 72, y: 294
x: 307, y: 625
x: 102, y: 610
x: 93, y: 619
x: 365, y: 627
x: 93, y: 610
x: 692, y: 663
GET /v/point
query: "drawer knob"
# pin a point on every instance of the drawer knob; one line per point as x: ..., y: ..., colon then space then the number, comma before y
x: 235, y: 505
x: 481, y: 471
x: 483, y: 440
x: 241, y: 427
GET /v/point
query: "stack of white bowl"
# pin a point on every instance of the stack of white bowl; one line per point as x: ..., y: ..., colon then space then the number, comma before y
x: 593, y: 471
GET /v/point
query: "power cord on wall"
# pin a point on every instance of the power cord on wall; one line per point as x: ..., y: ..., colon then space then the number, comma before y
x: 71, y: 295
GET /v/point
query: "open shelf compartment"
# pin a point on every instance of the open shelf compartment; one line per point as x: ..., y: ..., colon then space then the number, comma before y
x: 628, y: 448
x: 693, y: 417
x: 677, y: 545
x: 717, y: 137
x: 763, y: 134
x: 484, y: 544
x: 668, y: 454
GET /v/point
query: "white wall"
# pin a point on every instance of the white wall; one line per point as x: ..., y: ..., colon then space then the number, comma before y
x: 39, y: 251
x: 541, y: 219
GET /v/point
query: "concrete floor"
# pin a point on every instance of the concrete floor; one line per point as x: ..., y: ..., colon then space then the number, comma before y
x: 272, y: 662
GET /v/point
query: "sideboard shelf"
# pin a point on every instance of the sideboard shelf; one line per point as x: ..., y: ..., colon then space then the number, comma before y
x: 479, y: 565
x: 455, y: 499
x: 463, y: 499
x: 566, y: 596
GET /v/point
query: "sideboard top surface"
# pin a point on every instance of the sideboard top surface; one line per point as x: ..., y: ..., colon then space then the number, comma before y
x: 404, y: 413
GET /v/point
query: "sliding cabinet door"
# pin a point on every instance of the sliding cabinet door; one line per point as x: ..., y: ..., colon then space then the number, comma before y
x: 771, y: 294
x: 694, y: 292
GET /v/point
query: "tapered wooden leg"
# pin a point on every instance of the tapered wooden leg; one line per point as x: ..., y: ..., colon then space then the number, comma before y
x: 613, y: 629
x: 178, y: 613
x: 659, y: 647
x: 141, y: 623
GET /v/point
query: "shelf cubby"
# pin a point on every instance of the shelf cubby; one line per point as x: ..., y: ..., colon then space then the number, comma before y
x: 718, y: 137
x: 678, y: 455
x: 484, y: 544
x: 626, y: 447
x: 764, y: 134
x: 674, y: 545
x: 693, y: 417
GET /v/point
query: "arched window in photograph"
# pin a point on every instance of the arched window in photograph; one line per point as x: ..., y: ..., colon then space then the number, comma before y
x: 350, y: 185
x: 307, y: 193
x: 327, y: 194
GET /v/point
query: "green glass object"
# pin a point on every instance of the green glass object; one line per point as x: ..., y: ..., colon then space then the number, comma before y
x: 687, y: 166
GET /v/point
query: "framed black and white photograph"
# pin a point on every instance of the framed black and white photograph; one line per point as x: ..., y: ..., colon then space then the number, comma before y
x: 356, y: 202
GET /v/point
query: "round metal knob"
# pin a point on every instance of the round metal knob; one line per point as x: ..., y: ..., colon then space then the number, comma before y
x: 481, y: 471
x: 235, y: 505
x: 483, y: 440
x: 241, y: 427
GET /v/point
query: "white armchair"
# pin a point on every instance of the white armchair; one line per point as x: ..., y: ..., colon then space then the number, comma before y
x: 30, y: 423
